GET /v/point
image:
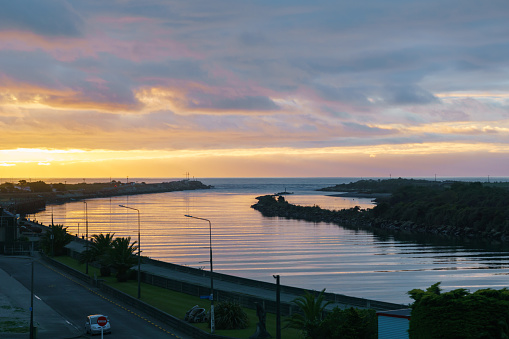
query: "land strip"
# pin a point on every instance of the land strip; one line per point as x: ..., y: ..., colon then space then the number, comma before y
x: 27, y: 202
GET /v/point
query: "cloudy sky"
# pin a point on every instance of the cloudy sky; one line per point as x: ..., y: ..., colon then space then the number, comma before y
x: 158, y: 88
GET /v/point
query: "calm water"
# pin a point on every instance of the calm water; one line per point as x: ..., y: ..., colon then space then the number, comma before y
x: 310, y: 255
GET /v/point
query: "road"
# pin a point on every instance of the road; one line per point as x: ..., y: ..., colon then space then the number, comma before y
x: 63, y: 302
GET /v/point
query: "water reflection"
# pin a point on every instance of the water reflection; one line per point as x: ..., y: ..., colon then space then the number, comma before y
x: 355, y: 262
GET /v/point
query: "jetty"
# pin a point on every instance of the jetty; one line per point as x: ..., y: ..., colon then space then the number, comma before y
x: 27, y: 202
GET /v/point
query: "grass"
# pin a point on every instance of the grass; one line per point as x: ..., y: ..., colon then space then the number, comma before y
x: 177, y: 304
x: 11, y: 326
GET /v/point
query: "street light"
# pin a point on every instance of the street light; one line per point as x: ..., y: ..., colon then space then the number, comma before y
x: 278, y: 307
x: 139, y: 249
x: 86, y: 226
x: 32, y: 334
x: 212, y: 322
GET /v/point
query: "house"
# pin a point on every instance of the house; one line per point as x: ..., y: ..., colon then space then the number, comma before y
x: 8, y: 229
x: 393, y: 324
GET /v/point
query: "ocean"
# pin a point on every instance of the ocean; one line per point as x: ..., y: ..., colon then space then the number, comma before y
x: 359, y: 263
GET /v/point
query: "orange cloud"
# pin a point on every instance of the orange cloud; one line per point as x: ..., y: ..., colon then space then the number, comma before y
x: 25, y: 95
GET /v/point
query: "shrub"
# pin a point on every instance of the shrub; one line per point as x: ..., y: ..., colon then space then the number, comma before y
x: 459, y: 313
x: 351, y: 323
x: 228, y: 315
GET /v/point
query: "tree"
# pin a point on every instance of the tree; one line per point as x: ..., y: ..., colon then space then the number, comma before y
x: 459, y: 313
x: 55, y: 245
x: 99, y: 250
x: 311, y: 314
x: 39, y: 186
x: 351, y: 323
x: 59, y: 187
x: 121, y: 257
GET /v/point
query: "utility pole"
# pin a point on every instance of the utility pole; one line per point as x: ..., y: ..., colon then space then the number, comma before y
x: 278, y: 307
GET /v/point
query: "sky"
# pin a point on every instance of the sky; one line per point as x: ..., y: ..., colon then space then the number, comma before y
x: 161, y: 88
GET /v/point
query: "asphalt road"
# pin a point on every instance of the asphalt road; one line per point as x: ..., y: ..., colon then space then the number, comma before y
x: 72, y: 301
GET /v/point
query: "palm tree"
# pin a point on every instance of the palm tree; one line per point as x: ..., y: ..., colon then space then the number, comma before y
x: 122, y: 256
x: 311, y: 316
x: 55, y: 239
x: 99, y: 250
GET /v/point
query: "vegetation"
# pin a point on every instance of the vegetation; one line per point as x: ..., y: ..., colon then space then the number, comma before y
x: 118, y: 254
x: 469, y: 206
x: 121, y: 257
x: 99, y: 251
x: 54, y: 240
x: 311, y: 315
x: 451, y: 209
x: 380, y: 186
x: 459, y: 314
x: 317, y: 323
x: 351, y: 323
x: 228, y: 315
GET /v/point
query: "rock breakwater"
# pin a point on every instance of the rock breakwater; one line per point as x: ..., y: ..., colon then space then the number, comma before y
x: 357, y: 218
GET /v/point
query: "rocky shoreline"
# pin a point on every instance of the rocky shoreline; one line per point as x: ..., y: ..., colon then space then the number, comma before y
x: 277, y: 206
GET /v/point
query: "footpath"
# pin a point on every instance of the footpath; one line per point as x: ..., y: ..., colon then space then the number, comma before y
x: 15, y: 312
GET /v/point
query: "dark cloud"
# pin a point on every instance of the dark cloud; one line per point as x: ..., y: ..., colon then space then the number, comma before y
x: 362, y: 129
x: 245, y: 103
x: 253, y: 39
x: 343, y: 94
x: 409, y: 95
x: 173, y: 69
x: 48, y: 17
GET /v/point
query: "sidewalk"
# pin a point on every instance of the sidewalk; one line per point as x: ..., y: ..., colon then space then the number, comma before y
x: 15, y: 312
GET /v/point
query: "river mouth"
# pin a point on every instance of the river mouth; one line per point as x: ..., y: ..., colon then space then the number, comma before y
x: 377, y: 265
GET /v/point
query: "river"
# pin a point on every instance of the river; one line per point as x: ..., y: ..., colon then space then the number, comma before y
x: 310, y: 255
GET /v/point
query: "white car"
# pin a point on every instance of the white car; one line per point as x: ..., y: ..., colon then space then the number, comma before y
x: 92, y: 327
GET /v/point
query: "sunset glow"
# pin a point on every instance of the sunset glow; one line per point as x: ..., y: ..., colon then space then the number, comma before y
x: 262, y: 89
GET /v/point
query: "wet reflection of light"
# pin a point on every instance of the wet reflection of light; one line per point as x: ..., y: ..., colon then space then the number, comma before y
x: 310, y: 255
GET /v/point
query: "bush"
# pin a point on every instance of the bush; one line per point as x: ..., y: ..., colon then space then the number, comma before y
x: 459, y: 313
x: 350, y: 323
x: 228, y: 315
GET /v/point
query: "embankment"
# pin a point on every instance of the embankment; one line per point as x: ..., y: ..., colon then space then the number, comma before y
x: 27, y: 203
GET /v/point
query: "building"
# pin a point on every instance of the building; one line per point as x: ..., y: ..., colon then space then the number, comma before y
x: 393, y: 324
x: 9, y: 232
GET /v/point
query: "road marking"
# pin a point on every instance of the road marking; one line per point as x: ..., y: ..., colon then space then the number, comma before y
x: 105, y: 298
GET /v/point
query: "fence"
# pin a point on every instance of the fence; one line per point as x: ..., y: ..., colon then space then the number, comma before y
x: 247, y: 300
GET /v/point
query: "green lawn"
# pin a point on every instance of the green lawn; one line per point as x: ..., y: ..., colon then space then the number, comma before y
x: 177, y: 304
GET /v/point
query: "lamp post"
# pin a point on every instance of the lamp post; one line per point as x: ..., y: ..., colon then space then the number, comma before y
x: 86, y: 231
x: 139, y: 249
x: 212, y: 322
x: 278, y: 307
x: 32, y: 334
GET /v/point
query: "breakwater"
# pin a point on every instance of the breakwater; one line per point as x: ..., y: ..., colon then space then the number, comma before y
x: 277, y: 206
x: 27, y: 203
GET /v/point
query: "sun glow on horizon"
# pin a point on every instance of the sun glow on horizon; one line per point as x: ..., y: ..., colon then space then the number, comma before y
x: 228, y: 162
